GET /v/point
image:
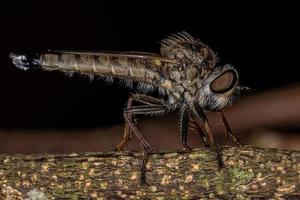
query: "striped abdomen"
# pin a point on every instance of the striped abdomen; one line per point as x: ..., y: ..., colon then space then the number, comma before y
x: 137, y: 67
x: 102, y: 65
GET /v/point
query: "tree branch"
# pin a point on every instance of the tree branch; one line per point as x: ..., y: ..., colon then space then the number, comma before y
x: 249, y: 173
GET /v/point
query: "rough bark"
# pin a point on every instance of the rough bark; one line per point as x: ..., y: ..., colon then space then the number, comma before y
x: 249, y: 173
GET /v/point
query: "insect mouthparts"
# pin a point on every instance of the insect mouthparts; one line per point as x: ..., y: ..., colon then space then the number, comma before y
x: 24, y: 62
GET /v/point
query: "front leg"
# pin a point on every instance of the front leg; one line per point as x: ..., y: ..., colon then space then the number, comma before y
x: 184, y: 126
x: 199, y: 115
x: 195, y: 126
x: 228, y: 131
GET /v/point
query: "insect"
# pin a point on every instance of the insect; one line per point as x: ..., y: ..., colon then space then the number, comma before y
x: 185, y: 74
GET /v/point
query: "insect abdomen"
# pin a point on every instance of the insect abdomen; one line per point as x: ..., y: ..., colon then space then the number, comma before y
x: 123, y: 67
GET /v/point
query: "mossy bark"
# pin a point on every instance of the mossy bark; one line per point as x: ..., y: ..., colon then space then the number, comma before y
x: 249, y: 173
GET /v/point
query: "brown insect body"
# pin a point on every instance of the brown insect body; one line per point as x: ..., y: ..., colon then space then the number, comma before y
x: 185, y: 72
x: 179, y: 71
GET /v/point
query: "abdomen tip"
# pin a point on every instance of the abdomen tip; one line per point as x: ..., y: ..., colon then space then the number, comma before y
x: 23, y: 61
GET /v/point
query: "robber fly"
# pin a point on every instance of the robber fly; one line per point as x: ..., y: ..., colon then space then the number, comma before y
x: 185, y: 74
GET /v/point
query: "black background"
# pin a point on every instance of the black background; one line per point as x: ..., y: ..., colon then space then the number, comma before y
x: 261, y: 41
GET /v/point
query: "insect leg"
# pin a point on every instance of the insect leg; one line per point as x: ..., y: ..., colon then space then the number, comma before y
x: 200, y: 115
x: 228, y: 130
x: 145, y: 145
x: 214, y: 143
x: 196, y: 127
x: 145, y: 110
x: 148, y: 100
x: 127, y: 130
x: 184, y: 127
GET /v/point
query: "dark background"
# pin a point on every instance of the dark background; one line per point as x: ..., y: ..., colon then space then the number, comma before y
x: 261, y: 41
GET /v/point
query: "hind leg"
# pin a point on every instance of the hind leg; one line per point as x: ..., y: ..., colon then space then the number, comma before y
x: 144, y: 99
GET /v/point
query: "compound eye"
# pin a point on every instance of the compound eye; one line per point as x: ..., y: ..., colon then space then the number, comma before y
x: 224, y: 82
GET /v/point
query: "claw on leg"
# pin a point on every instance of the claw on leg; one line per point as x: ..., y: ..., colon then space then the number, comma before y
x: 187, y: 147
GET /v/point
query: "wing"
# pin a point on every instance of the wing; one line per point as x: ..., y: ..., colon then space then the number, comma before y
x: 137, y: 66
x: 157, y: 59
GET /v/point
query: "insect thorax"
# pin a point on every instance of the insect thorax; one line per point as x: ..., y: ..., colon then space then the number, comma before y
x: 195, y: 71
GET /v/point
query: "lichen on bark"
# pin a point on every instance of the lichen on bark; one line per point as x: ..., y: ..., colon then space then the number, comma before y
x: 249, y: 172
